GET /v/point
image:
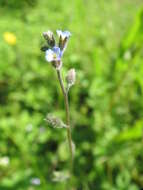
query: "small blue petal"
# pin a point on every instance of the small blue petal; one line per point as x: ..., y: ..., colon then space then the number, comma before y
x: 67, y: 34
x: 63, y: 34
x: 56, y: 50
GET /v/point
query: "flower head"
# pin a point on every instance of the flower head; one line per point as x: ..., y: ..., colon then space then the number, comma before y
x: 63, y: 34
x: 63, y: 39
x: 55, y: 52
x: 10, y: 38
x: 54, y: 55
x: 49, y: 37
x: 35, y: 181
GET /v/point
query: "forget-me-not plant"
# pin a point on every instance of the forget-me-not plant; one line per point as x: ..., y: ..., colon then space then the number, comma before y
x: 53, y: 54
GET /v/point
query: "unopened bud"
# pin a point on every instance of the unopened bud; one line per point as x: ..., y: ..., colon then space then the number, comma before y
x: 71, y: 77
x: 44, y: 48
x: 59, y: 176
x: 49, y: 37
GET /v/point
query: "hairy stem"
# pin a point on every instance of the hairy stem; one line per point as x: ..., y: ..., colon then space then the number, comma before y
x: 66, y: 101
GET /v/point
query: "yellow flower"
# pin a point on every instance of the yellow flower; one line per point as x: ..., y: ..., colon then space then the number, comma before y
x: 10, y: 38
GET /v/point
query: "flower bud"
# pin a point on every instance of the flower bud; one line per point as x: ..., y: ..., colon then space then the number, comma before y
x: 71, y: 77
x: 63, y: 39
x: 44, y: 48
x: 55, y: 122
x: 49, y: 37
x: 60, y: 176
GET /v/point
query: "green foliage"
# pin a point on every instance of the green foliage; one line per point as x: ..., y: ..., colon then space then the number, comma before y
x: 106, y: 102
x: 15, y: 4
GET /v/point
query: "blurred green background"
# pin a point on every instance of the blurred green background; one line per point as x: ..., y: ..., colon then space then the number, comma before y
x: 106, y: 49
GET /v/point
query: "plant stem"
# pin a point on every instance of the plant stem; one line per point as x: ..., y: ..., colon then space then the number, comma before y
x: 66, y: 101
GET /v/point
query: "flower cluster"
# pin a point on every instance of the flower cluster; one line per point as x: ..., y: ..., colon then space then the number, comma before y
x: 54, y: 52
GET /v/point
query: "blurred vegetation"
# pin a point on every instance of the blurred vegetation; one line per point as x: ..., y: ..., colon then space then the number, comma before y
x: 106, y: 102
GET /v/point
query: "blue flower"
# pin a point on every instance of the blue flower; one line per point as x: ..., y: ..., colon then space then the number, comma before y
x: 55, y: 52
x: 63, y: 39
x: 54, y: 56
x: 35, y: 181
x: 63, y: 34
